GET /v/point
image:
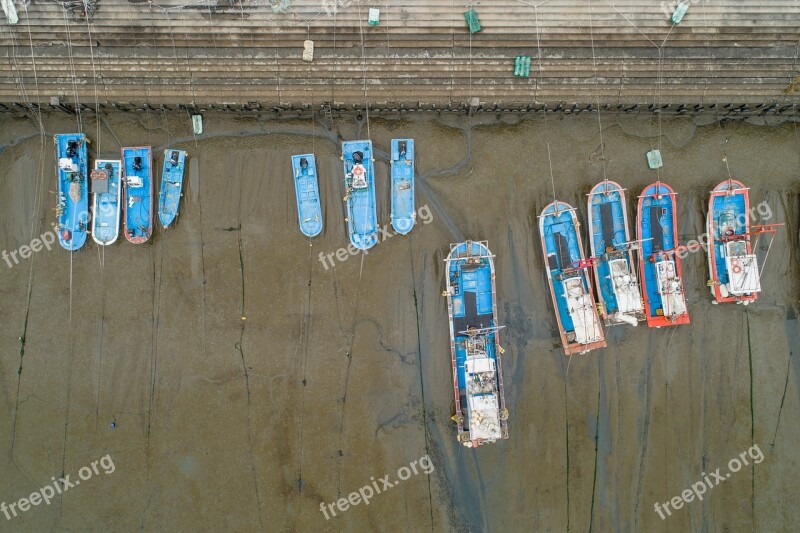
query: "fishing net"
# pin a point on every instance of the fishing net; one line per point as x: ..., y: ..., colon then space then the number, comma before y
x: 75, y: 191
x: 280, y: 6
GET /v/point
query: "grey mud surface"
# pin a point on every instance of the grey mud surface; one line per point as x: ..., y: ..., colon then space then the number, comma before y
x: 247, y: 383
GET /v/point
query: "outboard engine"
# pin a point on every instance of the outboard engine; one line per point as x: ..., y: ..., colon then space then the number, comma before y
x: 137, y: 163
x: 72, y: 148
x: 174, y: 158
x: 402, y: 147
x: 358, y: 157
x: 303, y: 162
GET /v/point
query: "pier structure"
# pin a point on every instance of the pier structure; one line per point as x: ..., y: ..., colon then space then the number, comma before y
x: 731, y: 57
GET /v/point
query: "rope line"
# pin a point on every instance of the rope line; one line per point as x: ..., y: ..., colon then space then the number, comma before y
x: 364, y: 61
x: 94, y: 76
x: 597, y: 94
x: 546, y: 131
x: 73, y: 74
x: 38, y: 197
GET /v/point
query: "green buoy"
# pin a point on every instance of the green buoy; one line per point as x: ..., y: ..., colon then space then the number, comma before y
x: 654, y: 159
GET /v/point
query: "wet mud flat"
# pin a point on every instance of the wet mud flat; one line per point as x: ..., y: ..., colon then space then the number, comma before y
x: 239, y: 383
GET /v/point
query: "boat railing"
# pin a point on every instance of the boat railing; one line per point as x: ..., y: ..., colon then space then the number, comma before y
x: 658, y: 195
x: 574, y: 269
x: 560, y: 207
x: 468, y: 252
x: 754, y: 231
x: 474, y: 332
x: 597, y: 193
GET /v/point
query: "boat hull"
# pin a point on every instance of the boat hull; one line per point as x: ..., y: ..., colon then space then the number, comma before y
x: 306, y: 188
x: 362, y: 217
x: 107, y: 202
x: 138, y: 194
x: 618, y: 291
x: 171, y: 191
x: 72, y: 210
x: 728, y: 226
x: 657, y: 229
x: 569, y: 283
x: 403, y: 210
x: 481, y: 414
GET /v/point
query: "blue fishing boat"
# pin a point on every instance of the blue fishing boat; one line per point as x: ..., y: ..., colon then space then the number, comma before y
x: 138, y: 211
x: 72, y: 210
x: 659, y: 264
x: 618, y: 292
x: 306, y: 187
x: 480, y: 406
x: 106, y: 187
x: 570, y: 283
x: 169, y: 197
x: 735, y: 275
x: 359, y: 180
x: 403, y: 212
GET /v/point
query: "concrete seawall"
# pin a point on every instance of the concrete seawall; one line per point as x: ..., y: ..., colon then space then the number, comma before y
x: 243, y: 55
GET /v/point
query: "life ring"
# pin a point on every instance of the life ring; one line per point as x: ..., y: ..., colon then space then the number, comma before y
x: 66, y: 235
x: 735, y: 267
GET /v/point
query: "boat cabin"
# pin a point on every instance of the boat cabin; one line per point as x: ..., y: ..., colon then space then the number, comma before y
x: 670, y: 287
x: 581, y: 310
x: 625, y: 286
x: 743, y: 274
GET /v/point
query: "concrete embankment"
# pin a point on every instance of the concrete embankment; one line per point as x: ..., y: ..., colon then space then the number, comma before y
x: 243, y: 55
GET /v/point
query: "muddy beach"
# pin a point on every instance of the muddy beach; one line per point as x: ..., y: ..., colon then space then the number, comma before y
x: 238, y: 383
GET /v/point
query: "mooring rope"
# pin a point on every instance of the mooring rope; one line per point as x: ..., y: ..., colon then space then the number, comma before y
x: 597, y: 94
x: 73, y: 74
x: 546, y: 130
x: 364, y: 62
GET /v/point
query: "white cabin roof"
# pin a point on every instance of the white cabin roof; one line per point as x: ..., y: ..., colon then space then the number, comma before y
x: 482, y: 364
x: 743, y: 275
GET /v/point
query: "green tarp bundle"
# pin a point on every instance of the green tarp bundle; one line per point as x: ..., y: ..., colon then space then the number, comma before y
x: 522, y: 66
x: 472, y: 21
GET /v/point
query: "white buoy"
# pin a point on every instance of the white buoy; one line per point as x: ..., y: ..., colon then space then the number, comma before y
x: 308, y: 50
x: 10, y: 11
x: 197, y: 124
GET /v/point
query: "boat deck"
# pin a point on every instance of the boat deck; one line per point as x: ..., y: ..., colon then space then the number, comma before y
x: 362, y: 217
x: 73, y: 196
x: 732, y: 211
x: 138, y: 210
x: 403, y: 212
x: 608, y: 233
x: 107, y: 196
x: 169, y: 198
